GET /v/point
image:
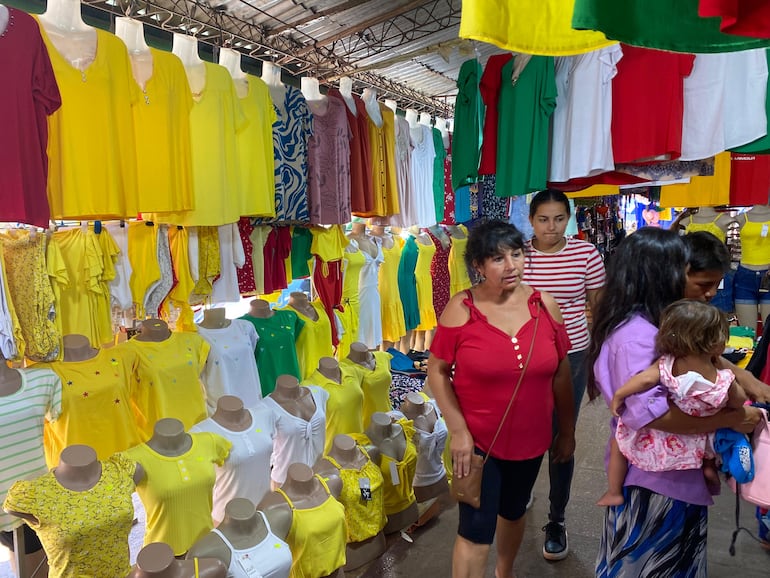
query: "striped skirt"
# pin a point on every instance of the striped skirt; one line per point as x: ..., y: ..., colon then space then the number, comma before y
x: 652, y: 536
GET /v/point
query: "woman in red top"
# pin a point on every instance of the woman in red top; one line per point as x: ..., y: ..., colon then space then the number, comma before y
x: 480, y: 349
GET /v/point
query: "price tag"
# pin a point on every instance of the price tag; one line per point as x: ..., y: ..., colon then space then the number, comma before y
x: 248, y: 567
x: 365, y: 485
x: 394, y: 479
x: 763, y: 233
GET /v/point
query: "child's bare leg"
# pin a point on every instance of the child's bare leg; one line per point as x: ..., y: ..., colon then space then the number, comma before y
x: 616, y: 475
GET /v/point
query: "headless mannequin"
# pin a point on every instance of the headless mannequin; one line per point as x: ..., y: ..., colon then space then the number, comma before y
x: 271, y: 74
x: 261, y: 309
x: 215, y: 319
x: 78, y: 348
x: 296, y: 400
x: 5, y: 17
x: 186, y: 48
x: 747, y: 312
x: 424, y: 417
x: 455, y: 232
x: 411, y: 117
x: 372, y: 106
x: 425, y: 119
x: 391, y: 104
x: 346, y: 90
x: 329, y: 368
x: 311, y: 89
x: 169, y: 438
x: 157, y: 561
x: 520, y: 62
x: 361, y: 355
x: 422, y: 339
x: 231, y: 60
x: 72, y: 38
x: 243, y: 527
x: 10, y: 379
x: 299, y: 302
x: 389, y: 438
x: 358, y: 234
x: 231, y: 414
x: 441, y: 234
x: 709, y: 215
x: 305, y: 491
x: 387, y: 242
x: 153, y: 330
x: 132, y: 33
x: 450, y: 125
x: 441, y: 126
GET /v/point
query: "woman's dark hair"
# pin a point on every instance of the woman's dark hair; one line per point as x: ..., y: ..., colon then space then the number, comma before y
x: 691, y: 327
x: 644, y: 276
x: 488, y: 239
x: 548, y: 196
x: 705, y: 252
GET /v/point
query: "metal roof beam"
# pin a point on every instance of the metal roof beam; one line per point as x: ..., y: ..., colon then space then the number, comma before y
x: 314, y: 16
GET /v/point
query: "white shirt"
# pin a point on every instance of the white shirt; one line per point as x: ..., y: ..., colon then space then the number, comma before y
x: 246, y: 471
x: 430, y: 448
x: 231, y: 255
x: 120, y: 290
x: 231, y: 368
x: 423, y: 155
x: 582, y: 140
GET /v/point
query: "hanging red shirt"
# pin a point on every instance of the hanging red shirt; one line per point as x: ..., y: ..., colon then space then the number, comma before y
x: 648, y: 104
x: 749, y: 179
x: 490, y: 94
x: 740, y: 17
x: 29, y: 95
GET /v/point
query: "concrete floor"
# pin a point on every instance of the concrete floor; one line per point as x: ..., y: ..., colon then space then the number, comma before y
x: 430, y: 554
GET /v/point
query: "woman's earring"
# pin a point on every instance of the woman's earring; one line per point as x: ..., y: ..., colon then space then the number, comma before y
x: 481, y: 277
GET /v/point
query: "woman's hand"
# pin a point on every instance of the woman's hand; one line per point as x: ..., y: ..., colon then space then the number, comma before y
x: 563, y: 447
x: 617, y: 403
x: 461, y: 446
x: 751, y: 417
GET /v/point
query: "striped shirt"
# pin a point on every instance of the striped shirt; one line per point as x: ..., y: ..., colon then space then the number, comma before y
x: 567, y: 275
x: 22, y: 415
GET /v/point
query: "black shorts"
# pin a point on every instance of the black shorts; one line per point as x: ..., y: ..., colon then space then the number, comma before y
x: 31, y: 541
x: 505, y: 490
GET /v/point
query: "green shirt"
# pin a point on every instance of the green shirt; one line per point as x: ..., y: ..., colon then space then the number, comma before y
x: 276, y: 351
x: 469, y: 119
x: 301, y: 239
x: 663, y: 24
x: 762, y: 144
x: 523, y: 127
x: 438, y: 174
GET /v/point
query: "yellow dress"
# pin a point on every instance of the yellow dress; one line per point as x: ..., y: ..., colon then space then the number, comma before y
x: 314, y: 341
x: 365, y: 516
x: 143, y: 256
x: 382, y: 147
x: 57, y: 275
x: 701, y: 191
x: 530, y: 26
x: 255, y: 151
x: 101, y: 300
x: 166, y: 380
x: 316, y: 537
x: 215, y: 120
x: 96, y: 406
x: 344, y: 408
x: 84, y: 534
x: 352, y: 263
x: 375, y: 383
x: 458, y: 272
x: 393, y: 323
x: 91, y: 145
x: 162, y: 126
x: 179, y: 296
x: 178, y: 491
x: 425, y: 286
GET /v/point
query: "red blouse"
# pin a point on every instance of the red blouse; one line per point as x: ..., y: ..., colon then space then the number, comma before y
x: 486, y: 364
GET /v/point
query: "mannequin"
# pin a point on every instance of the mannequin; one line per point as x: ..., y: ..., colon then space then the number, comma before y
x: 186, y: 48
x: 450, y: 125
x: 431, y: 477
x: 399, y: 457
x: 246, y: 474
x: 247, y: 539
x: 215, y: 318
x: 231, y: 60
x: 72, y: 38
x: 369, y: 97
x: 271, y: 74
x: 315, y: 340
x: 374, y: 370
x: 317, y: 534
x: 10, y: 379
x: 346, y: 90
x: 157, y: 561
x: 441, y: 125
x: 4, y: 18
x: 385, y: 237
x: 311, y: 89
x: 299, y: 302
x: 411, y: 117
x: 365, y: 513
x: 754, y: 266
x: 260, y: 308
x: 300, y: 425
x: 391, y: 104
x: 358, y: 234
x: 388, y: 278
x: 707, y: 219
x: 425, y: 119
x: 78, y: 348
x: 153, y: 330
x: 132, y: 33
x: 424, y: 333
x: 177, y: 493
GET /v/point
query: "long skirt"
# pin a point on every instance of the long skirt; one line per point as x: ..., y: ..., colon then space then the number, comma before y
x: 652, y: 536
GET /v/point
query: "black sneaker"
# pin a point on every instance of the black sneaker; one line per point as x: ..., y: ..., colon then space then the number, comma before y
x: 555, y: 546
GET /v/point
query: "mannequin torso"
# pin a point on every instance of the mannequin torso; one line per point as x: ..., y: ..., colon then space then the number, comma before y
x: 386, y: 238
x: 5, y: 16
x: 299, y: 302
x: 422, y: 414
x: 346, y: 90
x: 231, y: 414
x: 132, y: 33
x: 439, y: 232
x: 186, y: 48
x: 78, y: 348
x: 372, y: 106
x: 311, y: 90
x: 430, y: 479
x: 296, y: 400
x: 153, y: 330
x: 456, y: 232
x: 425, y: 119
x: 271, y: 74
x: 365, y: 244
x: 361, y: 355
x: 169, y: 438
x: 411, y: 117
x: 387, y: 436
x: 10, y: 379
x: 260, y: 308
x: 215, y: 319
x: 72, y: 38
x: 755, y: 234
x: 329, y: 368
x: 231, y: 60
x: 157, y: 561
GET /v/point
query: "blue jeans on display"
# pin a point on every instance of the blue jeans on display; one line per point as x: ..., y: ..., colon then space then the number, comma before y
x: 561, y: 474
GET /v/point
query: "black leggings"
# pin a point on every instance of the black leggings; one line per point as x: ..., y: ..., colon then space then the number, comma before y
x: 31, y: 541
x: 505, y: 489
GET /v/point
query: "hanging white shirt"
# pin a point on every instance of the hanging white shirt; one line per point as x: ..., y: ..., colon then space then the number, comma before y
x: 231, y: 255
x: 582, y: 139
x: 120, y: 290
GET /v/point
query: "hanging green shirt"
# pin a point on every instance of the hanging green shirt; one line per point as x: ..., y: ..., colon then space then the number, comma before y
x: 301, y: 239
x: 407, y: 283
x: 523, y: 127
x: 438, y: 174
x: 663, y: 24
x: 762, y: 144
x: 469, y: 120
x: 276, y: 351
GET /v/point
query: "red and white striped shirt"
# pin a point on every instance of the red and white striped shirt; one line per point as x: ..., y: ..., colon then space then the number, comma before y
x: 567, y: 275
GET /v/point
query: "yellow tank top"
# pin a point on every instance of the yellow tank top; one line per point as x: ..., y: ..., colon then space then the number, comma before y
x: 711, y: 227
x: 363, y: 499
x: 316, y: 537
x: 458, y: 272
x: 345, y: 404
x: 755, y: 247
x: 375, y: 384
x: 399, y: 475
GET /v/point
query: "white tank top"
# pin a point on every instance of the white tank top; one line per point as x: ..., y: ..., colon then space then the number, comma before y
x: 430, y: 447
x: 271, y: 558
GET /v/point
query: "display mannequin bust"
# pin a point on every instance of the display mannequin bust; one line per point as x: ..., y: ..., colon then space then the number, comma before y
x: 391, y: 104
x: 169, y: 438
x: 260, y: 308
x: 231, y: 414
x: 372, y: 106
x: 157, y: 561
x: 186, y: 48
x: 244, y: 528
x: 329, y: 368
x: 346, y: 90
x: 411, y: 117
x: 299, y: 302
x: 73, y: 39
x: 425, y: 119
x: 131, y: 32
x: 311, y: 89
x: 271, y: 74
x: 153, y: 330
x: 215, y: 318
x: 441, y: 125
x: 296, y: 400
x: 755, y: 256
x: 365, y: 244
x: 78, y: 348
x: 231, y: 60
x: 386, y: 238
x: 10, y: 379
x: 441, y: 234
x: 456, y: 232
x: 360, y: 354
x: 425, y: 418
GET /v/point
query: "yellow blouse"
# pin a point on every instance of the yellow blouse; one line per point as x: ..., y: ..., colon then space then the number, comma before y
x: 375, y: 384
x: 314, y: 341
x: 344, y: 406
x: 179, y: 296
